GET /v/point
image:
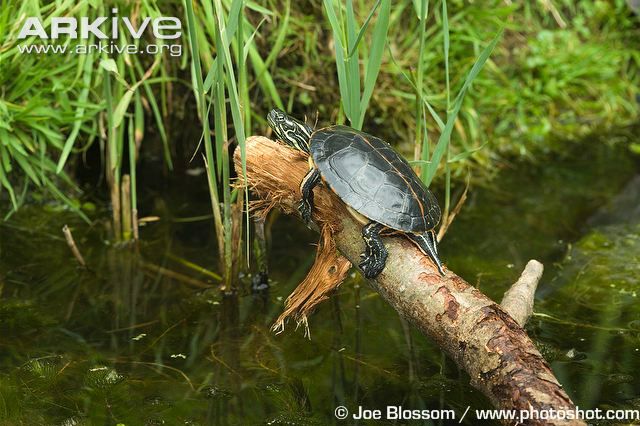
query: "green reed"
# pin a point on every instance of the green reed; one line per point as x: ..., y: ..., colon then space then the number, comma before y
x: 347, y: 35
x: 224, y: 30
x: 349, y: 52
x: 124, y: 79
x: 426, y: 159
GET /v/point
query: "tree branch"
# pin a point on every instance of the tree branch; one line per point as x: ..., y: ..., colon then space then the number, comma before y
x: 518, y: 300
x: 478, y: 334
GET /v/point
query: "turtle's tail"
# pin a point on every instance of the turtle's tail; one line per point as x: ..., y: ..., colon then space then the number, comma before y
x: 427, y: 244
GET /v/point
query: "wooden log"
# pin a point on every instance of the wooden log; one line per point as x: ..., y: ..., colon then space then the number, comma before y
x: 477, y: 333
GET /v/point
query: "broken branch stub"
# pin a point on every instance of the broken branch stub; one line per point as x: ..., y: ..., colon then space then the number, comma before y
x: 518, y: 300
x: 474, y: 331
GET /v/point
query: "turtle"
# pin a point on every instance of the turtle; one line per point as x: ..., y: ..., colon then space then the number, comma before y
x: 379, y: 187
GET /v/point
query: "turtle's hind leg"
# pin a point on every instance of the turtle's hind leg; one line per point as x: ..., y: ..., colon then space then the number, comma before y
x: 305, y: 207
x: 375, y: 256
x: 427, y: 244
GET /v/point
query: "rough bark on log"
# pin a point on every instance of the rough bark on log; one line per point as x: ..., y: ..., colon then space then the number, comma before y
x: 474, y: 331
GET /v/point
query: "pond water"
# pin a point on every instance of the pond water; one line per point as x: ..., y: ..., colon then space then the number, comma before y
x: 140, y: 339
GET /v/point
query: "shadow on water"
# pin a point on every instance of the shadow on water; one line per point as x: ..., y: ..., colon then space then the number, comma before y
x: 142, y: 338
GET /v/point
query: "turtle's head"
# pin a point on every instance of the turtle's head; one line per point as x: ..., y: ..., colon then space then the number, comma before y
x: 294, y: 133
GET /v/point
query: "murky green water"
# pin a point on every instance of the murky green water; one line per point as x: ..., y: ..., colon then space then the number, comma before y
x: 128, y: 342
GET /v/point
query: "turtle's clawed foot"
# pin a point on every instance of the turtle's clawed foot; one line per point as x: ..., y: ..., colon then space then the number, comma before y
x: 372, y: 265
x: 304, y: 207
x: 374, y: 257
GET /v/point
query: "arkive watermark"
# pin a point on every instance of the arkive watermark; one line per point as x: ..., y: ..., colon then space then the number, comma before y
x: 106, y: 30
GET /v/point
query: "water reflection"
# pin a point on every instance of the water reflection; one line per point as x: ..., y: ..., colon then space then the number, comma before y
x: 143, y: 338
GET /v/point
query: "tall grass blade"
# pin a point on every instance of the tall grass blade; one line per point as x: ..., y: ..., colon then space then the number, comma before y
x: 445, y: 136
x: 199, y: 93
x: 234, y: 104
x: 363, y: 29
x: 375, y: 56
x: 422, y: 149
x: 447, y: 166
x: 340, y: 57
x: 347, y: 39
x: 352, y: 66
x: 84, y: 95
x: 132, y: 175
x: 4, y: 170
x: 280, y: 37
x: 157, y: 115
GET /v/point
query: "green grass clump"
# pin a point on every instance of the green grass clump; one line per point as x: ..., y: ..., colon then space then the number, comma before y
x: 347, y: 37
x: 56, y: 106
x: 43, y: 106
x: 456, y: 86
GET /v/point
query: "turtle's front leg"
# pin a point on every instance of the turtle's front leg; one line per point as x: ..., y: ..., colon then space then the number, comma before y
x: 375, y: 256
x: 311, y: 179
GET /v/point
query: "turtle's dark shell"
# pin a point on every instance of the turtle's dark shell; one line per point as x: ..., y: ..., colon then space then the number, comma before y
x: 371, y: 178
